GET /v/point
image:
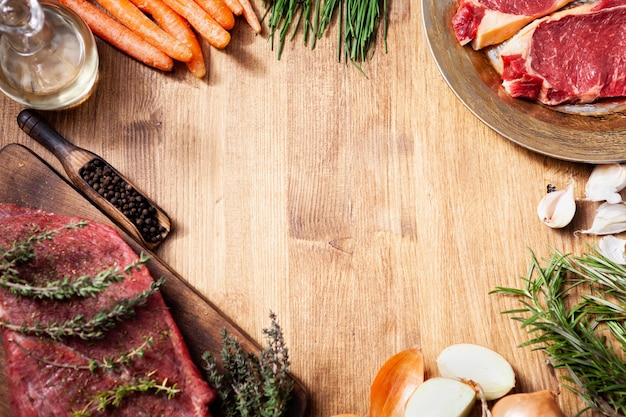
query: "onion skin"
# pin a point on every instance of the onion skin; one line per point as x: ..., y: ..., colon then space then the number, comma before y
x: 395, y: 382
x: 535, y: 404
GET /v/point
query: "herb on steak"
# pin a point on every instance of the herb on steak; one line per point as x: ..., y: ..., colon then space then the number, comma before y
x: 92, y: 365
x: 20, y: 252
x: 252, y: 385
x: 94, y: 327
x: 82, y: 286
x: 114, y: 397
x: 574, y: 309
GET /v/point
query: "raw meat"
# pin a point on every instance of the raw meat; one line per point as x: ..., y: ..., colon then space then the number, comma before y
x: 573, y: 56
x: 49, y: 377
x: 489, y: 22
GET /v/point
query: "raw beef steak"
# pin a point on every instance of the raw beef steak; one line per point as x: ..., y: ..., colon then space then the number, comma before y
x: 573, y: 56
x: 489, y: 22
x: 60, y: 375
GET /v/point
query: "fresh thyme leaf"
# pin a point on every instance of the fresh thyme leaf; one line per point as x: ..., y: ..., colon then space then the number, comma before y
x: 94, y: 327
x: 91, y: 365
x: 358, y: 23
x: 574, y: 309
x: 82, y: 286
x: 251, y: 385
x: 23, y: 251
x: 115, y: 396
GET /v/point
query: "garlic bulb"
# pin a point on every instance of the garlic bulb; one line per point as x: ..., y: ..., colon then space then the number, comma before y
x: 613, y: 249
x: 605, y: 183
x: 480, y: 365
x: 609, y: 219
x: 441, y: 397
x: 557, y: 208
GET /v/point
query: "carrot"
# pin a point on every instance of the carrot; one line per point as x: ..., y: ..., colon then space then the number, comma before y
x: 218, y: 11
x: 131, y: 16
x: 176, y: 25
x: 119, y: 36
x: 234, y: 6
x: 201, y: 21
x: 250, y: 16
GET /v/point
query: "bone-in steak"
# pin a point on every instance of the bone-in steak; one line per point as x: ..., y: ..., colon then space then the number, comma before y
x: 52, y: 377
x: 573, y: 56
x: 489, y: 22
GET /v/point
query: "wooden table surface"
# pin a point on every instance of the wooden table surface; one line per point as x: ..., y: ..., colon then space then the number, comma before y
x: 371, y: 214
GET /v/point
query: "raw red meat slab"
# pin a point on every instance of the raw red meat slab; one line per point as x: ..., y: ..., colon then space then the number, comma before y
x: 574, y: 56
x: 489, y: 22
x: 38, y: 386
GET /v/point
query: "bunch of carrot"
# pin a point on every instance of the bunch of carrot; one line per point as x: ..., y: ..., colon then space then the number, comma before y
x: 159, y: 32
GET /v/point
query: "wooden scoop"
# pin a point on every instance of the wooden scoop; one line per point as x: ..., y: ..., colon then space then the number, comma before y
x: 130, y: 208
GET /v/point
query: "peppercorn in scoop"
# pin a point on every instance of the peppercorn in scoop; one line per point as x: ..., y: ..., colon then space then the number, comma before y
x: 105, y: 181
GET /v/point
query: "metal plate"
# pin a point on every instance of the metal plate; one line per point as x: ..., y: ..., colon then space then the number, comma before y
x: 570, y: 136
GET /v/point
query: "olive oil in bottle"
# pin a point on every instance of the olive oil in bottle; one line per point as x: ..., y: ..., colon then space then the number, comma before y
x: 48, y: 55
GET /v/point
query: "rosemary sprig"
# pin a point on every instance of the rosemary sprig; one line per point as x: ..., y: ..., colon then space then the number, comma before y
x: 115, y: 396
x: 574, y: 309
x: 252, y: 385
x: 94, y: 327
x: 358, y: 24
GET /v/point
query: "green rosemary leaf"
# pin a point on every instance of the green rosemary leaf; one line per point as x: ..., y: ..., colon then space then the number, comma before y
x: 575, y: 313
x: 94, y: 327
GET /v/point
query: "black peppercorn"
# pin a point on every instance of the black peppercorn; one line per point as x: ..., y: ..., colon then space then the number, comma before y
x: 134, y: 206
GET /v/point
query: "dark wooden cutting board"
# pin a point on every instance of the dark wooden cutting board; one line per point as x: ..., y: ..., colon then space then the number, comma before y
x: 27, y: 180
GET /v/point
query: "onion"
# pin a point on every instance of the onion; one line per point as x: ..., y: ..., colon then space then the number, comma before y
x: 441, y: 397
x: 535, y: 404
x: 395, y: 382
x: 486, y: 368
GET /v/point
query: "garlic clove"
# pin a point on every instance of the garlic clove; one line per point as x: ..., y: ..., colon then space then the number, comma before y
x: 539, y: 403
x: 609, y: 219
x: 395, y: 382
x: 557, y: 208
x: 441, y: 397
x: 613, y: 249
x: 480, y: 365
x: 605, y: 183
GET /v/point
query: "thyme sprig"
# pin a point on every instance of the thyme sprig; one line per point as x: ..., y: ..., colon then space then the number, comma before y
x: 89, y: 328
x: 115, y: 396
x: 358, y: 24
x: 67, y: 287
x: 574, y: 308
x: 252, y: 385
x: 92, y: 365
x: 22, y: 251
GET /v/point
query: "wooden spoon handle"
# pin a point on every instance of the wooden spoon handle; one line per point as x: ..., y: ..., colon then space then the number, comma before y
x: 39, y: 129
